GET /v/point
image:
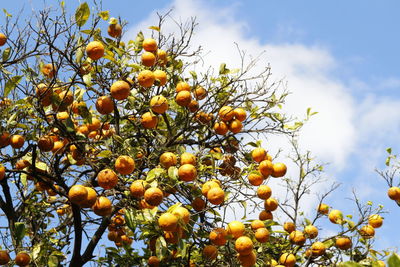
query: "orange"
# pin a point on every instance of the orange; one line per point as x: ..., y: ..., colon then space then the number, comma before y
x: 188, y: 158
x: 200, y: 93
x: 183, y: 98
x: 94, y: 125
x: 311, y: 231
x: 187, y: 172
x: 22, y: 259
x: 193, y: 106
x: 58, y: 147
x: 148, y: 59
x: 168, y: 221
x: 278, y: 170
x: 218, y: 236
x: 375, y: 220
x: 226, y: 113
x: 114, y: 30
x: 149, y: 121
x: 3, y: 39
x: 266, y: 168
x: 210, y: 252
x: 182, y: 213
x: 153, y: 196
x: 182, y: 86
x: 271, y: 204
x: 120, y: 90
x: 138, y: 188
x: 265, y: 215
x: 4, y: 257
x: 367, y: 231
x: 168, y: 159
x: 62, y: 115
x: 262, y: 235
x: 159, y: 104
x: 124, y: 165
x: 102, y: 206
x: 45, y: 143
x: 150, y: 45
x: 256, y: 224
x: 235, y: 126
x: 146, y: 78
x: 90, y: 199
x: 264, y: 192
x: 77, y: 194
x: 171, y: 237
x: 107, y: 179
x: 343, y: 243
x: 240, y: 114
x: 49, y: 70
x: 255, y: 179
x: 288, y: 260
x: 198, y: 204
x: 153, y: 261
x: 161, y: 76
x: 95, y: 50
x: 247, y: 260
x: 394, y: 193
x: 258, y: 154
x: 44, y: 94
x: 4, y: 139
x: 216, y: 196
x: 17, y: 141
x: 244, y: 245
x: 207, y: 186
x: 323, y: 209
x: 289, y: 227
x: 221, y: 128
x: 161, y: 57
x: 104, y: 105
x: 235, y: 229
x: 318, y: 249
x: 144, y: 205
x: 297, y: 237
x: 336, y: 216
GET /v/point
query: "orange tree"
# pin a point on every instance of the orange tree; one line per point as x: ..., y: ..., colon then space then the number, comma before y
x: 120, y: 145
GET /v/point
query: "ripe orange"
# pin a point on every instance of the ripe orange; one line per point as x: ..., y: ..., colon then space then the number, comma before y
x: 45, y: 143
x: 124, y: 165
x: 2, y: 172
x: 278, y: 170
x: 44, y: 94
x: 193, y: 106
x: 236, y: 229
x: 200, y: 93
x: 161, y: 57
x: 264, y: 192
x: 153, y: 196
x: 107, y: 179
x: 188, y: 158
x: 311, y: 231
x: 198, y: 204
x: 244, y: 245
x: 394, y: 193
x: 297, y: 237
x: 266, y: 168
x: 104, y: 105
x: 218, y: 236
x: 4, y: 139
x: 95, y: 50
x: 210, y: 252
x: 375, y: 220
x: 159, y: 104
x: 271, y: 204
x: 148, y: 59
x: 4, y: 257
x: 77, y: 194
x: 90, y: 199
x: 235, y: 126
x: 323, y: 209
x: 256, y: 224
x: 168, y: 221
x: 102, y: 206
x: 318, y: 249
x: 343, y: 243
x: 149, y: 121
x: 114, y: 30
x: 171, y: 237
x: 120, y: 90
x: 187, y: 172
x: 288, y: 260
x: 262, y: 235
x: 216, y: 196
x: 22, y: 259
x: 146, y: 78
x: 183, y: 98
x: 153, y: 261
x: 182, y: 86
x: 49, y: 70
x: 265, y: 215
x: 221, y: 128
x: 247, y: 260
x: 168, y: 159
x: 240, y: 114
x: 182, y: 213
x: 289, y: 227
x: 3, y: 39
x: 255, y: 179
x: 336, y: 216
x: 150, y: 45
x: 367, y: 231
x: 94, y: 125
x: 17, y: 141
x: 161, y: 76
x: 226, y: 113
x: 207, y: 186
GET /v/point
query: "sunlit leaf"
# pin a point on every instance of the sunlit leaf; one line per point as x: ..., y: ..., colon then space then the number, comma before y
x: 105, y: 15
x: 82, y: 14
x: 11, y: 84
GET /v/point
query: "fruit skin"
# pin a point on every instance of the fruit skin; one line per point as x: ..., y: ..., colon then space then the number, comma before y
x: 375, y: 220
x: 149, y: 121
x: 343, y: 243
x: 146, y: 78
x: 17, y: 141
x: 22, y: 259
x: 77, y: 194
x: 114, y: 30
x: 138, y: 188
x: 210, y: 252
x: 244, y: 245
x: 336, y: 216
x: 45, y: 143
x: 318, y: 249
x: 182, y: 86
x: 3, y: 39
x: 270, y: 204
x: 311, y: 231
x: 120, y: 90
x: 256, y: 224
x: 265, y: 215
x: 266, y: 168
x: 187, y: 172
x: 394, y: 193
x: 183, y: 98
x: 153, y: 261
x: 264, y: 192
x: 168, y: 221
x: 102, y: 206
x: 235, y: 126
x: 198, y: 204
x: 262, y: 235
x: 247, y: 260
x: 367, y: 231
x: 90, y: 199
x: 104, y: 105
x: 188, y: 158
x: 95, y: 50
x: 4, y: 257
x: 218, y: 236
x: 168, y: 159
x: 153, y: 196
x: 2, y: 172
x: 150, y: 45
x: 124, y: 165
x: 148, y: 59
x: 221, y: 128
x: 297, y: 237
x: 287, y: 259
x: 159, y: 104
x: 216, y: 196
x: 236, y: 229
x: 182, y: 213
x: 107, y: 179
x: 289, y: 227
x: 226, y: 113
x: 161, y: 76
x: 255, y: 179
x: 240, y: 114
x: 323, y: 209
x: 278, y: 170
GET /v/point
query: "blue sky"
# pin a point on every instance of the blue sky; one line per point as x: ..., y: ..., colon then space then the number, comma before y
x: 348, y: 53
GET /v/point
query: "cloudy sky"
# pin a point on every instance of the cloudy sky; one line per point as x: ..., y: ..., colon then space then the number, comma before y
x: 341, y: 58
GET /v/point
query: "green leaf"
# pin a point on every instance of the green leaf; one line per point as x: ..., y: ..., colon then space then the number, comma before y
x: 350, y: 264
x: 104, y: 154
x: 113, y: 21
x: 173, y: 173
x: 82, y: 14
x: 154, y: 173
x: 19, y: 231
x: 394, y: 260
x: 7, y: 14
x: 389, y: 150
x: 6, y: 53
x: 223, y: 69
x: 154, y: 28
x: 53, y: 261
x: 11, y: 84
x: 105, y: 15
x: 130, y: 219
